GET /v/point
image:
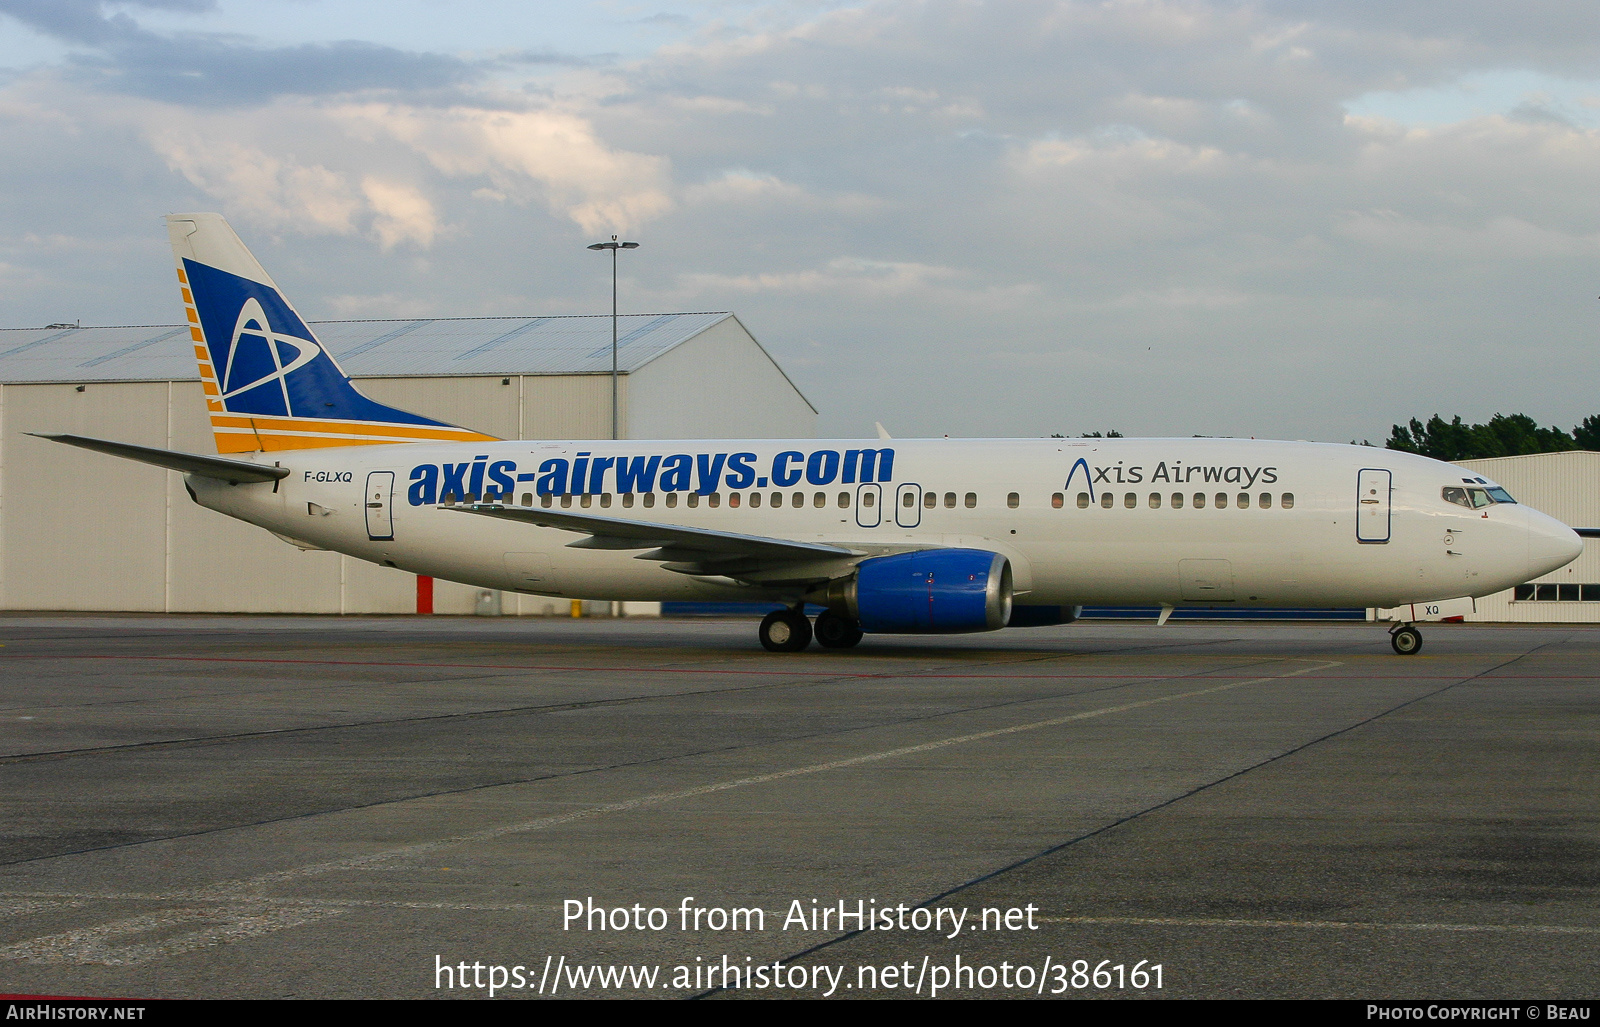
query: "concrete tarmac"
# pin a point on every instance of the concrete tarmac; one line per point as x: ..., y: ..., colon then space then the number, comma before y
x: 396, y: 807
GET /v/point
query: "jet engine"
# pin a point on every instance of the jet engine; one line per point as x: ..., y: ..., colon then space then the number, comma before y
x: 930, y: 591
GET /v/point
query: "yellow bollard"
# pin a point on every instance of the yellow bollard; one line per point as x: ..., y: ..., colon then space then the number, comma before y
x: 577, y: 607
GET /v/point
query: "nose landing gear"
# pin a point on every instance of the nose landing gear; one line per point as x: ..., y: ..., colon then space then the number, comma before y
x: 1406, y: 640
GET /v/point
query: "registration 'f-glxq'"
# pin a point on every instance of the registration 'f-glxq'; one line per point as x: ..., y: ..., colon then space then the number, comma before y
x: 888, y: 535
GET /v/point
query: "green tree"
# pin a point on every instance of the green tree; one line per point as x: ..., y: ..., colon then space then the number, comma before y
x: 1587, y: 434
x: 1504, y: 435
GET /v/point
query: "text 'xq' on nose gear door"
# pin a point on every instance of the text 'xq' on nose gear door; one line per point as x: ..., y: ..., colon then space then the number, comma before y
x: 379, y: 504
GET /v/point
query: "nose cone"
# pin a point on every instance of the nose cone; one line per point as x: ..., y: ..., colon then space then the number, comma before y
x: 1551, y: 545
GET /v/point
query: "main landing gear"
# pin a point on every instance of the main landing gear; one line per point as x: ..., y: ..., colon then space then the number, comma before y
x: 835, y: 631
x: 788, y: 631
x: 1407, y: 640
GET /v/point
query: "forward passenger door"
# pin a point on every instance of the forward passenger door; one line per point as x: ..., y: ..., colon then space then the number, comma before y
x: 1372, y: 505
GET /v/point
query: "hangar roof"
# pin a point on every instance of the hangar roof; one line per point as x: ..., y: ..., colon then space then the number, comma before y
x: 430, y: 347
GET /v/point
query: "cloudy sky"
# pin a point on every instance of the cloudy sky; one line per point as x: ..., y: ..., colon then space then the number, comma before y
x: 1279, y: 219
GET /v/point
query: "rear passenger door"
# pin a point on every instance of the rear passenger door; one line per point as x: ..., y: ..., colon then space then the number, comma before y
x: 380, y: 505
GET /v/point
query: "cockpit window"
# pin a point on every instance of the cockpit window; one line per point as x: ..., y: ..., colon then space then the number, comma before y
x: 1476, y: 499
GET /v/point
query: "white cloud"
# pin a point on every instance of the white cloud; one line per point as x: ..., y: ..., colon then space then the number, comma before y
x: 260, y: 187
x: 400, y: 214
x: 528, y: 155
x: 851, y: 275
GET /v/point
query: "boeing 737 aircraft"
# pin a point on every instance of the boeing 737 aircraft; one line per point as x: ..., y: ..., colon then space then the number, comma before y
x: 889, y: 535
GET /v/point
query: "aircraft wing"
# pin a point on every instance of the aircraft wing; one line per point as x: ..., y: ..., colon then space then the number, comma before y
x: 233, y: 472
x: 702, y: 552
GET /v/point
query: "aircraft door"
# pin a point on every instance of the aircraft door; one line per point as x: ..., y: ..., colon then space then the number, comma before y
x: 379, y: 506
x: 907, y: 505
x: 869, y: 505
x: 1372, y: 504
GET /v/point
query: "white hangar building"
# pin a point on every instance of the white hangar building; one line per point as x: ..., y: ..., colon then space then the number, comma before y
x: 82, y: 531
x: 1567, y: 487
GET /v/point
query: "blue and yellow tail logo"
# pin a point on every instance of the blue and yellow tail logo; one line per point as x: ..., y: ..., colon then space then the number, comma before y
x: 270, y: 385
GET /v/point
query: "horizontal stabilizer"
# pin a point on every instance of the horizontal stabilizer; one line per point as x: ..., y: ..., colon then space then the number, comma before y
x: 1587, y: 532
x: 234, y: 472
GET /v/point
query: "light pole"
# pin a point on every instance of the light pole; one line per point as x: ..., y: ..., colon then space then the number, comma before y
x: 614, y: 246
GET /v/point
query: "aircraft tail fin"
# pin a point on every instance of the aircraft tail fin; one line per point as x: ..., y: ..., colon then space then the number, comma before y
x: 269, y: 384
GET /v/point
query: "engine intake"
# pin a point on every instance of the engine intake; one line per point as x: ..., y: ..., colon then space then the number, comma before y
x: 931, y: 591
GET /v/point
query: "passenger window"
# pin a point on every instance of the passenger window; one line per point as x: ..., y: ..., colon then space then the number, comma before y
x: 911, y: 499
x: 1106, y: 499
x: 867, y: 500
x: 1265, y: 501
x: 1222, y: 500
x: 546, y: 499
x: 1287, y: 501
x: 972, y: 500
x: 929, y: 500
x: 798, y: 499
x: 586, y: 500
x: 844, y: 500
x: 755, y: 500
x: 1155, y: 500
x: 1130, y: 500
x: 672, y: 500
x: 1199, y: 500
x: 1244, y: 501
x: 777, y: 500
x: 1083, y: 501
x: 627, y: 499
x: 448, y: 499
x: 733, y: 499
x: 566, y: 501
x: 820, y: 500
x: 714, y: 500
x: 527, y: 499
x: 1177, y: 500
x: 649, y: 499
x: 1057, y: 500
x: 949, y: 500
x: 1013, y: 500
x: 605, y: 500
x: 693, y: 500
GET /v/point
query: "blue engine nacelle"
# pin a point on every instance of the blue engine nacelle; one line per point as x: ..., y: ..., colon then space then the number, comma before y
x: 931, y: 591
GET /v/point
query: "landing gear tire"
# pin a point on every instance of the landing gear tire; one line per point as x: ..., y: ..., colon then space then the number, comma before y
x: 835, y: 631
x: 1407, y: 641
x: 785, y: 631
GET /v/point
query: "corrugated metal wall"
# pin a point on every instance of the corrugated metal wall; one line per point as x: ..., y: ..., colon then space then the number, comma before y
x: 671, y: 400
x: 1567, y: 487
x: 82, y: 531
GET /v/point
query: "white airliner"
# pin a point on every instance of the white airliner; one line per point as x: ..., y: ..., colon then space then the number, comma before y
x: 890, y: 535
